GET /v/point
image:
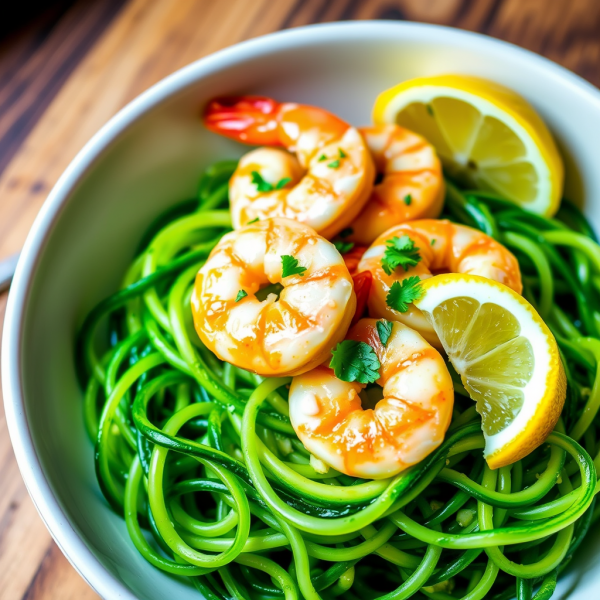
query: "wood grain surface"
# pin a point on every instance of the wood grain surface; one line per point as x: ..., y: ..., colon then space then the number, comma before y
x: 68, y: 69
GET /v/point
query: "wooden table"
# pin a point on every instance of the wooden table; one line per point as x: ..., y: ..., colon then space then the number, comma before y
x: 67, y: 71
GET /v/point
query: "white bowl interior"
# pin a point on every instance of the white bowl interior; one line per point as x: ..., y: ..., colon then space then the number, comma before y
x: 155, y: 159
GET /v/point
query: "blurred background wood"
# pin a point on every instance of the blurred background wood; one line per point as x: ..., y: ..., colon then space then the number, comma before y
x: 66, y: 66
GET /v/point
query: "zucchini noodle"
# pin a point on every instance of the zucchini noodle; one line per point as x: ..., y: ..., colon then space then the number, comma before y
x: 215, y: 487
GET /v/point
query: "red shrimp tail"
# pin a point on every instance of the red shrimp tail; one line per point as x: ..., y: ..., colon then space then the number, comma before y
x: 362, y: 287
x: 352, y: 258
x: 247, y: 119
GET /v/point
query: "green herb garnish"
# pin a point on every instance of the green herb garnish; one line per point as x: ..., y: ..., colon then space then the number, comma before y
x: 343, y: 247
x: 342, y: 153
x: 400, y: 252
x: 384, y: 330
x: 241, y: 294
x: 334, y: 164
x: 355, y: 361
x: 290, y: 266
x: 322, y: 158
x: 255, y: 220
x: 260, y: 183
x: 407, y: 199
x: 403, y: 293
x: 265, y: 186
x: 282, y: 182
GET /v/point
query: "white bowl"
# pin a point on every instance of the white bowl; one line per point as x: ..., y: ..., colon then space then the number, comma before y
x: 149, y: 156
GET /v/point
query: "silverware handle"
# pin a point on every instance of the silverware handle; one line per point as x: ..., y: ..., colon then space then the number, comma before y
x: 7, y: 270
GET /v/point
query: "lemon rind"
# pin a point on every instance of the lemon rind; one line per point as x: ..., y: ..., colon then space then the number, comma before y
x: 539, y: 144
x: 545, y: 392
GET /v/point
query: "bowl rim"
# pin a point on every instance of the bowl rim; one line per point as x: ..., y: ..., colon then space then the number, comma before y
x: 73, y: 546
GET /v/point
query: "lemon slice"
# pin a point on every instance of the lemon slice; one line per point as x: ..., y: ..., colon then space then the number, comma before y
x: 506, y: 357
x: 487, y: 136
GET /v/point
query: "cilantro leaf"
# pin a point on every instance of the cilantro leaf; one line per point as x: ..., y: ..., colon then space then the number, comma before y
x: 255, y: 220
x: 343, y: 247
x: 384, y: 330
x: 272, y: 288
x: 407, y: 199
x: 289, y: 266
x: 282, y: 182
x: 403, y: 293
x: 241, y: 294
x: 322, y: 158
x: 346, y: 232
x: 355, y: 361
x: 265, y: 186
x: 260, y: 183
x: 400, y: 252
x: 334, y: 164
x: 432, y: 241
x: 342, y: 153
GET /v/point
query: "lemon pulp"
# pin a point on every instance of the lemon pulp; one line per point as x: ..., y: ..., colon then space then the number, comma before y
x: 494, y: 361
x: 479, y: 150
x: 486, y: 136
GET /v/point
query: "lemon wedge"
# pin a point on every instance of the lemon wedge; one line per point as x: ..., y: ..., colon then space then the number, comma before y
x: 507, y: 359
x: 486, y: 135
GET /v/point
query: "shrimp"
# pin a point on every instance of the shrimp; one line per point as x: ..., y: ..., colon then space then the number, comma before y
x: 324, y: 184
x: 412, y: 186
x: 443, y: 247
x: 405, y: 425
x: 273, y: 336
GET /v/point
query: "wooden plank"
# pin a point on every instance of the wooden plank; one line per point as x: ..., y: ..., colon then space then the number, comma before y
x: 148, y: 40
x: 23, y: 539
x: 37, y: 60
x: 56, y: 578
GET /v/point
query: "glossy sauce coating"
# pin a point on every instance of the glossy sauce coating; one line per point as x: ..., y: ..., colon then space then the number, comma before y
x: 326, y: 166
x: 412, y: 183
x: 275, y: 336
x: 406, y: 425
x: 444, y: 247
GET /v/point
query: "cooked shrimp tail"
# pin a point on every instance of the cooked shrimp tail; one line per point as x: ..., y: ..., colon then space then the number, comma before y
x: 362, y: 287
x: 262, y: 121
x: 324, y: 178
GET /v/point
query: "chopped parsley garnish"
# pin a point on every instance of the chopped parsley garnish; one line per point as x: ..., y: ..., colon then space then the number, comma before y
x: 282, y: 182
x: 355, y: 361
x: 260, y: 183
x: 343, y: 247
x: 334, y: 164
x: 429, y: 109
x: 255, y: 220
x: 346, y: 232
x: 272, y: 288
x: 265, y: 186
x: 342, y: 153
x: 289, y: 266
x: 403, y: 293
x: 400, y: 252
x: 322, y: 158
x: 407, y: 199
x: 432, y: 242
x: 384, y: 330
x: 241, y: 294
